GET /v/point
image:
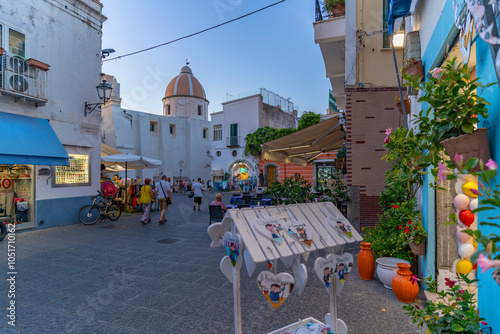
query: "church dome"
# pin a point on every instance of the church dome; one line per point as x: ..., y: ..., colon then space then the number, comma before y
x: 185, y: 84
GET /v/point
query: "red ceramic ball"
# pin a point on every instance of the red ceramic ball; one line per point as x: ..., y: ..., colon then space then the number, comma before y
x: 466, y: 217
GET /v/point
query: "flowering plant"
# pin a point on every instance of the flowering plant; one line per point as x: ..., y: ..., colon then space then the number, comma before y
x: 414, y: 231
x: 454, y: 309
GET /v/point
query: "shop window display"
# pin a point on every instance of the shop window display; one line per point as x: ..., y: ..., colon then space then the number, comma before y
x: 77, y: 173
x: 16, y: 193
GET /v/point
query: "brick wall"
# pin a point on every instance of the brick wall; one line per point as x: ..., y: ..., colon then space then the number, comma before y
x: 369, y: 112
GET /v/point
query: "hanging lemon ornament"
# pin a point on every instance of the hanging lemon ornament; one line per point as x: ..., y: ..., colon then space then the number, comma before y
x: 464, y: 266
x: 466, y: 188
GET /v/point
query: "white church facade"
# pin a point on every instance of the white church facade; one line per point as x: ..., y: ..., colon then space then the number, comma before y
x: 180, y: 137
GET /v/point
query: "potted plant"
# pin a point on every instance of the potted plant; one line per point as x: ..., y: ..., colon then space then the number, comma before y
x: 399, y: 105
x: 454, y: 309
x: 334, y: 7
x: 454, y: 108
x: 415, y: 234
x: 414, y: 67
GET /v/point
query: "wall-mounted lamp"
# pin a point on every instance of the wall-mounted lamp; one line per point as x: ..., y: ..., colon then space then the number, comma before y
x: 398, y: 40
x: 104, y: 92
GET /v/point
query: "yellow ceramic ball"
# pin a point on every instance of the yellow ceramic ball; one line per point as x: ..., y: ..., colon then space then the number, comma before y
x: 466, y: 188
x: 464, y: 266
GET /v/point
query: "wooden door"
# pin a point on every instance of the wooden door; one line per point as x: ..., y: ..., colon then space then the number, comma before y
x: 271, y: 175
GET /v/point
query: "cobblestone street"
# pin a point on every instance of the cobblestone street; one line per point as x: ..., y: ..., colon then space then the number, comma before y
x: 124, y: 277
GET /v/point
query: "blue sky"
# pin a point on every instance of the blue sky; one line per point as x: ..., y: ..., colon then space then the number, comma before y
x: 273, y: 49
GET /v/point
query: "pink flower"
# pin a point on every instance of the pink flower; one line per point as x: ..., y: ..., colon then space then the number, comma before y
x: 491, y: 164
x: 416, y: 306
x: 413, y: 279
x: 388, y: 131
x: 435, y: 72
x: 474, y: 191
x: 459, y: 159
x: 483, y: 323
x: 386, y: 140
x: 486, y: 263
x: 442, y: 172
x: 449, y: 283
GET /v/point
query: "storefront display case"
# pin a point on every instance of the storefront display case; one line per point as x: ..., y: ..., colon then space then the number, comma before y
x: 77, y: 173
x: 17, y: 193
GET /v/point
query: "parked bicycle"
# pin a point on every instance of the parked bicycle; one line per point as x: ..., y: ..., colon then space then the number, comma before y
x: 100, y: 209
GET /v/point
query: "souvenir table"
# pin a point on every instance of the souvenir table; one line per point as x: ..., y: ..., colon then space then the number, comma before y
x: 288, y: 233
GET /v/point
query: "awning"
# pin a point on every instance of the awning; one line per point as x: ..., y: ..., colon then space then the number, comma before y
x: 395, y: 10
x: 299, y: 147
x: 29, y: 141
x: 108, y: 150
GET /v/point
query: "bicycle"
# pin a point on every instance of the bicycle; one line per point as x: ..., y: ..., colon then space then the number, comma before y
x: 100, y: 209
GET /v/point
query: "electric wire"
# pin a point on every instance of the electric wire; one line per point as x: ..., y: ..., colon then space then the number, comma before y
x: 196, y: 33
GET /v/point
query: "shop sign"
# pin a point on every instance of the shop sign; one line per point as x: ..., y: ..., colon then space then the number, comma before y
x: 44, y: 171
x: 89, y: 129
x: 6, y: 183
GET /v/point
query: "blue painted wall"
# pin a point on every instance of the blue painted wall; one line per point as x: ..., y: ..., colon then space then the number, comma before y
x: 59, y: 212
x: 489, y: 290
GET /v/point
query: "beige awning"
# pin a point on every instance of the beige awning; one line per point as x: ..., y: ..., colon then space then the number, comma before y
x: 108, y: 150
x: 303, y: 146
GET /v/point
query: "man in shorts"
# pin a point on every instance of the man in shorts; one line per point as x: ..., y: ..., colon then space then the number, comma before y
x: 164, y: 192
x: 197, y: 190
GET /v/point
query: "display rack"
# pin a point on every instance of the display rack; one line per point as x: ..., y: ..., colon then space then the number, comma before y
x: 256, y: 248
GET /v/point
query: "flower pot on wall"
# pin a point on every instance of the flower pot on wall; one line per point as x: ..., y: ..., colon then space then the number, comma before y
x: 405, y: 290
x: 415, y: 68
x: 2, y: 51
x: 38, y: 64
x: 472, y: 145
x: 337, y: 10
x: 407, y: 106
x: 366, y: 262
x: 418, y: 249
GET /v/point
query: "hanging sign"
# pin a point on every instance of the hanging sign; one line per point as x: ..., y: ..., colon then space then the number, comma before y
x: 276, y: 288
x: 6, y: 183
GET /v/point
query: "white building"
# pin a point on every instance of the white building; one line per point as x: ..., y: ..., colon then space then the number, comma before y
x: 239, y: 117
x: 180, y: 138
x: 50, y: 66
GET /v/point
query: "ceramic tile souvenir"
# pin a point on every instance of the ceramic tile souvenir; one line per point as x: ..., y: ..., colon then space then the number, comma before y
x: 345, y: 264
x: 227, y: 268
x: 300, y: 276
x: 299, y: 230
x: 325, y: 269
x: 341, y: 225
x: 232, y: 242
x: 270, y: 228
x: 276, y: 288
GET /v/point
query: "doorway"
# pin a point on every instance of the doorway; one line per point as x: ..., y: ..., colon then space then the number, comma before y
x: 271, y: 173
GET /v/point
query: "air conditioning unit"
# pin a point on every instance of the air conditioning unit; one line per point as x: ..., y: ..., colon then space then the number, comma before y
x: 17, y: 75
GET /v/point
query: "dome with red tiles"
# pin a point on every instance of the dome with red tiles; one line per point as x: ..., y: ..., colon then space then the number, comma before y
x: 185, y: 84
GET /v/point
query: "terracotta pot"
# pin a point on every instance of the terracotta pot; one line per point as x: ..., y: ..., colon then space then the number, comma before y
x: 386, y: 269
x: 473, y: 145
x: 407, y: 106
x: 366, y: 262
x: 38, y: 64
x: 416, y: 69
x: 2, y: 51
x: 337, y: 10
x: 418, y: 249
x: 405, y: 290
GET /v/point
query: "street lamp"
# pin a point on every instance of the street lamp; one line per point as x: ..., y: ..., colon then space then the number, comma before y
x: 104, y: 92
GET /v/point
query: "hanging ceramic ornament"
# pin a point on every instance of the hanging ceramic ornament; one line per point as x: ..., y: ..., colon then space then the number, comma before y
x: 299, y: 230
x: 466, y: 188
x: 270, y: 228
x: 461, y: 202
x: 465, y: 250
x: 341, y: 225
x: 232, y: 242
x: 473, y: 204
x: 345, y: 264
x: 227, y: 268
x: 300, y: 276
x: 276, y: 288
x: 213, y: 229
x: 466, y: 217
x: 324, y: 267
x: 249, y: 262
x: 462, y: 236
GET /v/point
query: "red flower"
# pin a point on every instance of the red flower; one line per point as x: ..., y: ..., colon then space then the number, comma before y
x: 484, y: 323
x: 415, y: 228
x: 409, y: 222
x: 399, y: 227
x: 395, y: 207
x: 416, y: 306
x: 406, y: 231
x: 450, y: 283
x: 413, y: 279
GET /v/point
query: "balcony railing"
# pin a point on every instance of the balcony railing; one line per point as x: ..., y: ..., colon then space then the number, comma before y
x: 233, y: 141
x: 22, y: 80
x: 322, y: 14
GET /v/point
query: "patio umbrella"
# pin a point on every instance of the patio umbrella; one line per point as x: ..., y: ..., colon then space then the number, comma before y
x: 129, y: 161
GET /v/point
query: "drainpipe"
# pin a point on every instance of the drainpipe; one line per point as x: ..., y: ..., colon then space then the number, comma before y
x: 399, y: 82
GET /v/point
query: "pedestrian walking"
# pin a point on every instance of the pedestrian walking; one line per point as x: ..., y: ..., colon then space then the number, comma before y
x: 147, y: 196
x: 184, y: 187
x: 197, y: 190
x: 164, y: 198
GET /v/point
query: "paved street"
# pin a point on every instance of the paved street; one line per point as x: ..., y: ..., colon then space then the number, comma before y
x: 123, y: 277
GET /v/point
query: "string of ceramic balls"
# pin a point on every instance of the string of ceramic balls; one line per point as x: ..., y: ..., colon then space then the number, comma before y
x: 465, y: 202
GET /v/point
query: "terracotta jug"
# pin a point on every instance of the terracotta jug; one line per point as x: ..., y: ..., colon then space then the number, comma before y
x: 405, y: 290
x: 366, y: 262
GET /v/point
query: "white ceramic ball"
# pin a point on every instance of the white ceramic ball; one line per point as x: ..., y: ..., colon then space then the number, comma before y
x: 465, y: 250
x: 461, y: 236
x: 473, y: 204
x: 461, y: 202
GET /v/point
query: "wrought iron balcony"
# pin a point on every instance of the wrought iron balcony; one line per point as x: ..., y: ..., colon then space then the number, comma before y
x: 25, y: 79
x: 233, y: 141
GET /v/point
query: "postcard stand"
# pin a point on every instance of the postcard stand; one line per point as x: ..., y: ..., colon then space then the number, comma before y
x: 238, y: 225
